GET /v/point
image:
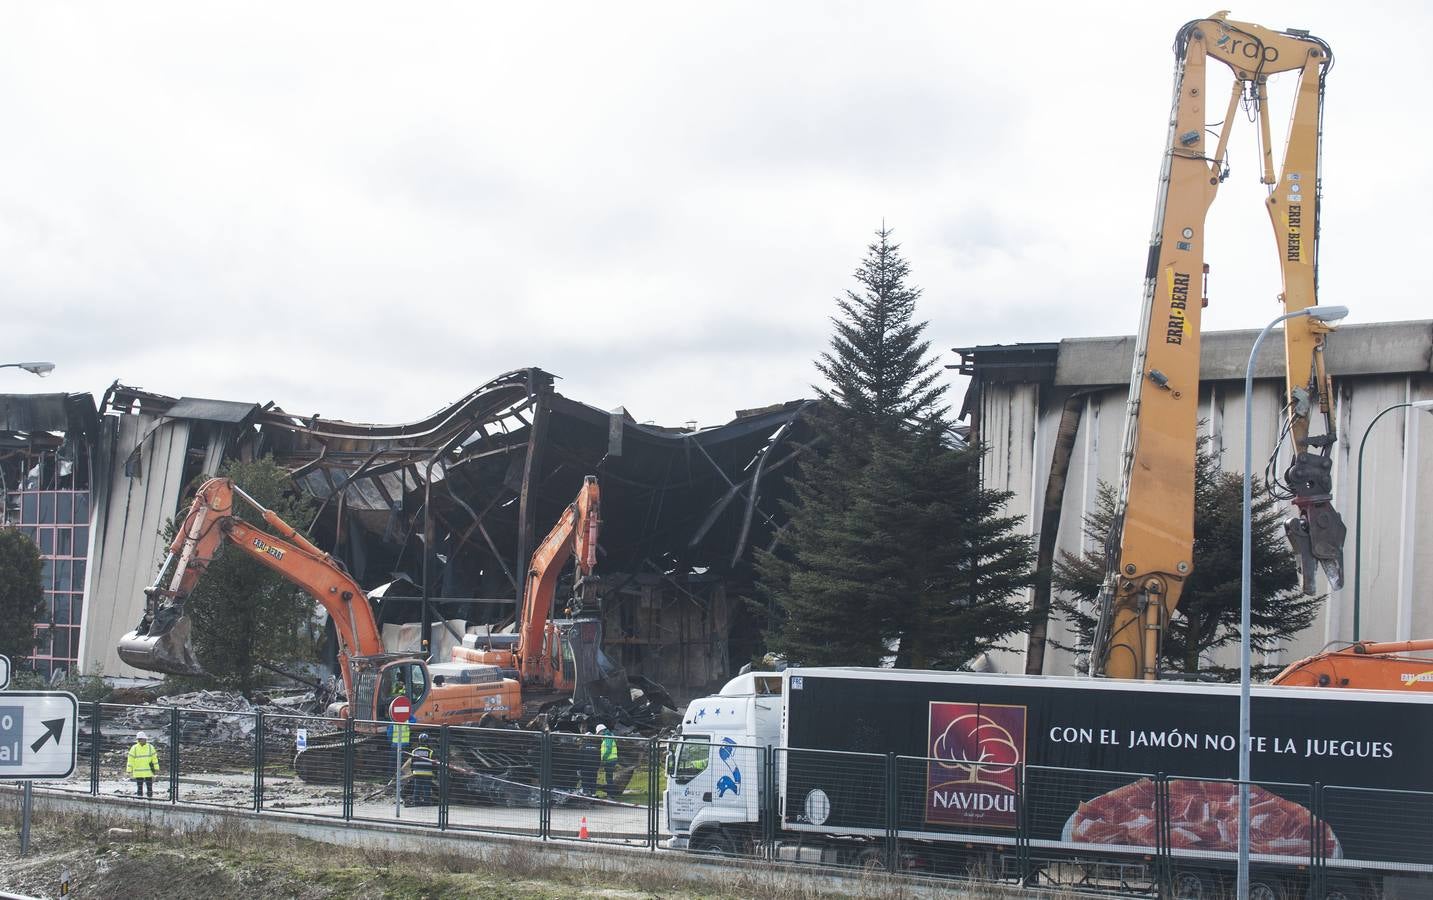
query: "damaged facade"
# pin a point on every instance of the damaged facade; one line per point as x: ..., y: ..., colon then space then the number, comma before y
x: 1021, y: 396
x: 46, y: 443
x: 441, y: 514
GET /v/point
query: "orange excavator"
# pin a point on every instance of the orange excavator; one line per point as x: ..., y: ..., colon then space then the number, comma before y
x: 541, y: 658
x: 443, y: 694
x: 556, y: 665
x: 560, y: 662
x: 1365, y: 665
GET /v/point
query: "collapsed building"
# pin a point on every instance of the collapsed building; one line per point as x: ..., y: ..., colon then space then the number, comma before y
x: 436, y: 518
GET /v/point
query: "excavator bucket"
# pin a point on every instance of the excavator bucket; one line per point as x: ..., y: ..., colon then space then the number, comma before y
x: 161, y: 644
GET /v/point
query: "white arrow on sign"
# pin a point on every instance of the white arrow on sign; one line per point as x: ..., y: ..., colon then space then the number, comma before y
x: 4, y: 672
x: 37, y: 734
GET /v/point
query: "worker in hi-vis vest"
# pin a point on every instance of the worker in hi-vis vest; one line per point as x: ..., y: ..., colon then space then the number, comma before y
x: 609, y: 755
x: 142, y: 764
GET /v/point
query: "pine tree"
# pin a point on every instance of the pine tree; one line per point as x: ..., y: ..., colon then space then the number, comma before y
x: 881, y: 377
x: 892, y: 548
x: 22, y: 596
x: 1210, y: 604
x: 245, y: 615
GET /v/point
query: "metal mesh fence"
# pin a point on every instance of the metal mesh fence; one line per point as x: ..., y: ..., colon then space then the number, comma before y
x: 303, y: 764
x: 1091, y: 829
x: 586, y: 795
x: 991, y: 820
x: 1203, y: 834
x: 839, y: 793
x: 382, y: 764
x: 216, y: 757
x: 119, y: 730
x: 1377, y: 829
x: 938, y: 798
x: 80, y: 780
x: 731, y: 781
x: 494, y: 780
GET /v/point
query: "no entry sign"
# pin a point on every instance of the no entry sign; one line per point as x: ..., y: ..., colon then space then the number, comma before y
x: 399, y: 709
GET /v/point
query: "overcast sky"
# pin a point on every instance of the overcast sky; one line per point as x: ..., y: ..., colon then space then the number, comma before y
x: 366, y: 210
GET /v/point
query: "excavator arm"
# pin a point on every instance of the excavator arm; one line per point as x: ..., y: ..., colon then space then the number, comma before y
x: 1150, y: 545
x: 537, y: 654
x: 161, y: 642
x: 1366, y: 665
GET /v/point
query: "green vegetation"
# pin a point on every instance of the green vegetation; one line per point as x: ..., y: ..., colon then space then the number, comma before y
x: 893, y: 548
x: 246, y: 616
x: 1209, y: 608
x: 22, y: 598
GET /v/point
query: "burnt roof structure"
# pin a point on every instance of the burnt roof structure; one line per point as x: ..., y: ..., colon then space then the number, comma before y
x: 454, y: 503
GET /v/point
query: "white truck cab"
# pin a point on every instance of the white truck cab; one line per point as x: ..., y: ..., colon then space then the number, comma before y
x: 717, y: 763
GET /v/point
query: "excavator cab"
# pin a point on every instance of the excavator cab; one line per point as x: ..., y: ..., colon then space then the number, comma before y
x: 406, y: 678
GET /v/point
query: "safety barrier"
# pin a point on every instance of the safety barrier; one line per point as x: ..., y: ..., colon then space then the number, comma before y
x: 995, y: 820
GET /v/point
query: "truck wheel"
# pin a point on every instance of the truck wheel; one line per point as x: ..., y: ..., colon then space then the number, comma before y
x: 1264, y: 889
x: 1196, y: 884
x: 715, y: 842
x: 1346, y: 889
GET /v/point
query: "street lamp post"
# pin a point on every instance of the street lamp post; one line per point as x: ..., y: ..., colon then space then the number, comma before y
x: 1323, y: 314
x: 38, y: 368
x: 1358, y: 516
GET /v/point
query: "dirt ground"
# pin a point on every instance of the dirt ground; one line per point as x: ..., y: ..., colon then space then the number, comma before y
x: 209, y: 866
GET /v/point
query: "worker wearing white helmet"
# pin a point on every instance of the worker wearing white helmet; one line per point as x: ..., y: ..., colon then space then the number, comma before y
x: 609, y: 756
x: 142, y: 764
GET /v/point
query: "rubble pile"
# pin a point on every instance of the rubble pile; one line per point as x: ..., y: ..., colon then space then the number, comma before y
x: 217, y: 718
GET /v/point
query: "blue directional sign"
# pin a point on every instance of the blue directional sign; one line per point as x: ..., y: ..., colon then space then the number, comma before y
x: 37, y: 734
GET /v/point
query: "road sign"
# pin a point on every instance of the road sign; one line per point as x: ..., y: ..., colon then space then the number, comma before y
x: 4, y: 672
x: 37, y: 734
x: 399, y: 709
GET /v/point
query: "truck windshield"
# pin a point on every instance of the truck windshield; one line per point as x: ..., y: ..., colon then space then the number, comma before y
x: 691, y: 759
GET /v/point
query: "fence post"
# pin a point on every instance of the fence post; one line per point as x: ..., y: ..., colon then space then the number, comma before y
x: 1022, y: 836
x: 1164, y: 859
x: 443, y: 750
x: 258, y: 760
x: 96, y: 740
x: 892, y: 793
x: 174, y: 754
x: 654, y: 802
x: 348, y: 767
x: 1318, y: 874
x: 544, y: 782
x: 769, y: 811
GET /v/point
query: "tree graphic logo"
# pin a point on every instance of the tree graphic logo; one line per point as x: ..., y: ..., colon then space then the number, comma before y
x: 974, y: 750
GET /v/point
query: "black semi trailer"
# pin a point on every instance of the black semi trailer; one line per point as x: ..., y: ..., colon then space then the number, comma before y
x: 1083, y: 780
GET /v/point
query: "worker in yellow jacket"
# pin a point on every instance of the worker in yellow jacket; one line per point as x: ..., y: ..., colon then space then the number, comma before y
x: 142, y: 764
x: 609, y: 757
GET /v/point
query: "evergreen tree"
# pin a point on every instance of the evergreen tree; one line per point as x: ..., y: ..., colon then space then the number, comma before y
x: 245, y: 615
x: 892, y: 548
x: 22, y: 597
x: 1210, y: 604
x: 881, y: 377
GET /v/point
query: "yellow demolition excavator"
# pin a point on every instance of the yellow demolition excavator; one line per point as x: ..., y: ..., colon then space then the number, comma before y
x: 1152, y: 538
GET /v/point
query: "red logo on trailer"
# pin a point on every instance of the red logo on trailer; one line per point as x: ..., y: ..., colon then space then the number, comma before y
x: 400, y: 709
x: 974, y: 749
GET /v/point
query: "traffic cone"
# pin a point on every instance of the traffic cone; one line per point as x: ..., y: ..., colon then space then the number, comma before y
x: 582, y: 830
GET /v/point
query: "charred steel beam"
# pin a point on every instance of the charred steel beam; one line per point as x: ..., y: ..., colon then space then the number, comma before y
x: 527, y: 502
x: 338, y: 491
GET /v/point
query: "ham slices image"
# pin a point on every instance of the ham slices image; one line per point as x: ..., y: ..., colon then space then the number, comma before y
x: 1203, y: 815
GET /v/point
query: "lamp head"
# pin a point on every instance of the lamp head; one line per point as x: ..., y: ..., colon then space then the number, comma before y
x: 1422, y: 404
x: 39, y: 368
x: 1327, y: 313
